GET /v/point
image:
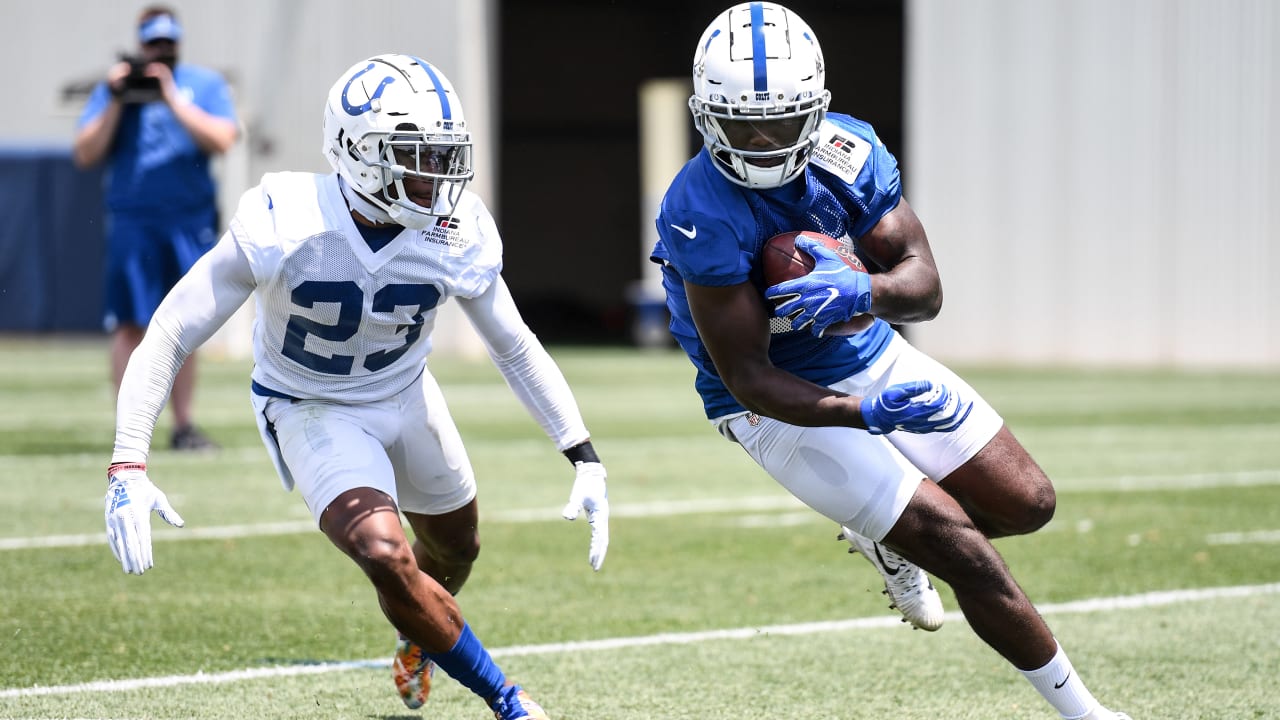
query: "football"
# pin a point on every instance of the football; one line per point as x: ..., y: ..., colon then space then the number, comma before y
x: 781, y: 261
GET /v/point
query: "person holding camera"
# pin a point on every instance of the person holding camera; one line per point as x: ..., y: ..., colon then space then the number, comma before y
x: 156, y: 123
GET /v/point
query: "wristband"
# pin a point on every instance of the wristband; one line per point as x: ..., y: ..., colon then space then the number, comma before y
x: 114, y: 468
x: 582, y: 452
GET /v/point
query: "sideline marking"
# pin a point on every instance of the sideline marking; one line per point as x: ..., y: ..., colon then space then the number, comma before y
x: 1241, y: 538
x: 665, y: 508
x: 1092, y: 605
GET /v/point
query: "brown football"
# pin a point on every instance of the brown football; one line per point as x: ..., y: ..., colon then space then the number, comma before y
x: 781, y: 261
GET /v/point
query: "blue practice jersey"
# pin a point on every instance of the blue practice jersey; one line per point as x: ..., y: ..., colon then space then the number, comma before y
x: 711, y: 232
x: 155, y: 166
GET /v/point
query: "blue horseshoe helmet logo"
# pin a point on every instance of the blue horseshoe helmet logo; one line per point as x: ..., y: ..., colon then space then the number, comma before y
x: 377, y: 93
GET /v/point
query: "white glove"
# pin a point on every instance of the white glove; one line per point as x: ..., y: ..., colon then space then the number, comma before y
x: 130, y: 499
x: 589, y: 493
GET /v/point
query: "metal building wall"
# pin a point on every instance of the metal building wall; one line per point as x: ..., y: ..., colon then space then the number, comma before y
x: 281, y: 57
x: 1099, y: 178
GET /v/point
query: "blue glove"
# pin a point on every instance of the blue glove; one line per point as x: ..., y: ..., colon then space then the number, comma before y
x: 831, y: 293
x: 918, y: 406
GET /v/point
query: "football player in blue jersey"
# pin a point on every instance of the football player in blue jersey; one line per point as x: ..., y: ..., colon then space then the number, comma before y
x: 804, y: 403
x: 156, y: 123
x: 348, y: 271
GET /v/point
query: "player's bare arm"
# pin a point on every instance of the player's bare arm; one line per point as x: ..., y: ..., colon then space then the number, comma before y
x: 733, y: 323
x: 909, y: 290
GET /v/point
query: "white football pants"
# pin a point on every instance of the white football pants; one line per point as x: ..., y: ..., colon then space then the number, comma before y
x: 406, y: 446
x: 857, y: 479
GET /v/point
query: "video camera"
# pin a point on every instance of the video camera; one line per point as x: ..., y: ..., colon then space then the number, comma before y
x: 138, y: 88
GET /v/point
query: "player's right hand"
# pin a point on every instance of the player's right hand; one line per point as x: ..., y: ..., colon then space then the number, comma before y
x: 919, y: 406
x: 130, y: 499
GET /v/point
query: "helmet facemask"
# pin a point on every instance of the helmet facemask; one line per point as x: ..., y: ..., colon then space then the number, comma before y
x: 760, y: 147
x: 422, y: 177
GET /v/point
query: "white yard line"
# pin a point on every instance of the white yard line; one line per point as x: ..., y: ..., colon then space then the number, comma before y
x: 202, y: 533
x: 671, y: 508
x: 1182, y: 481
x: 663, y: 508
x: 1093, y: 605
x: 1242, y: 538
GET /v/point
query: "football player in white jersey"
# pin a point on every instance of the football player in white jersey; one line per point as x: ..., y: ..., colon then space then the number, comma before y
x: 790, y: 393
x: 348, y: 271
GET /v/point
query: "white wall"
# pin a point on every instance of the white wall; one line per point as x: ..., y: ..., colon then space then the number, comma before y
x: 1099, y: 178
x: 281, y: 57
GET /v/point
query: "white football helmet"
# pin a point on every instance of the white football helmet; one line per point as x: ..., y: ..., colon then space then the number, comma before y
x: 392, y: 118
x: 759, y: 93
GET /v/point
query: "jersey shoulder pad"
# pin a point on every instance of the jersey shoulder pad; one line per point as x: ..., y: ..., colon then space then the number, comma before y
x: 294, y: 205
x: 705, y: 228
x: 284, y: 209
x: 468, y: 245
x: 699, y: 194
x: 844, y: 144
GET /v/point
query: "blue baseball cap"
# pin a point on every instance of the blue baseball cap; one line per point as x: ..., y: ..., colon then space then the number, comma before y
x: 160, y: 27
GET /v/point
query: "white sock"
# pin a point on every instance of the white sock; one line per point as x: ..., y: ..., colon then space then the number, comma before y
x: 1061, y: 685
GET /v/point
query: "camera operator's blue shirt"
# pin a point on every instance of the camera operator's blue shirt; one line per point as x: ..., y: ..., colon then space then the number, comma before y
x: 154, y: 165
x: 711, y: 231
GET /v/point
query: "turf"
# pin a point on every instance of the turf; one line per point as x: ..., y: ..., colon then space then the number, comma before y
x: 1151, y: 467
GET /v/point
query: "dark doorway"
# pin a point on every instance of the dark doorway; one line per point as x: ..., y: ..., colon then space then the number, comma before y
x: 569, y: 205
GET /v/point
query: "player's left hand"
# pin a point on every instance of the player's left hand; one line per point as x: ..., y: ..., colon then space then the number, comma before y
x: 831, y: 293
x: 919, y: 406
x: 589, y: 493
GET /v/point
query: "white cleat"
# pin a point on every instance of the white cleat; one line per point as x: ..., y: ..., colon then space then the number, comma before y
x: 907, y: 586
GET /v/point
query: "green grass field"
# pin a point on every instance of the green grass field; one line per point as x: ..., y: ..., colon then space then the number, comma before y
x: 720, y: 598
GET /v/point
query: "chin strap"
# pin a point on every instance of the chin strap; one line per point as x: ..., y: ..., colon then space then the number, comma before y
x: 362, y: 204
x: 410, y: 219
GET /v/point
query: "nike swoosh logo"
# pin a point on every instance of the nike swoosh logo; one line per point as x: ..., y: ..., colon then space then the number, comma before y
x: 1058, y: 686
x: 831, y: 298
x: 891, y: 570
x: 691, y: 233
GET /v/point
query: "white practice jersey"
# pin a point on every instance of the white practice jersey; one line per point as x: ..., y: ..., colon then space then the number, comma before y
x: 335, y: 319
